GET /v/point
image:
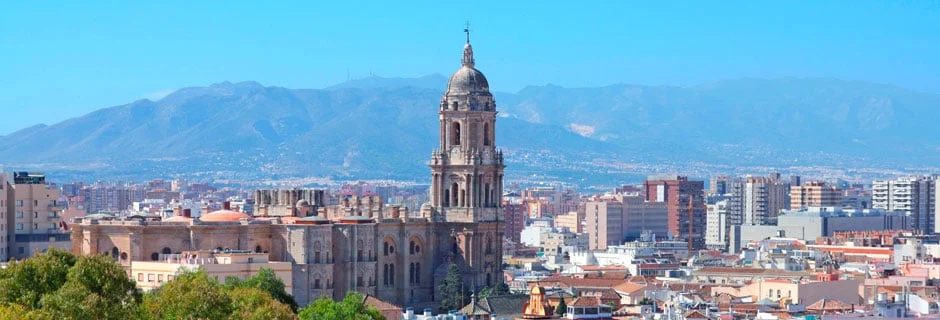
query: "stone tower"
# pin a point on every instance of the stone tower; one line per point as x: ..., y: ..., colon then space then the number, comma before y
x: 467, y: 177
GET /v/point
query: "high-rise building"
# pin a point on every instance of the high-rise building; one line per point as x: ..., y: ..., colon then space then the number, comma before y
x: 913, y: 195
x: 716, y: 226
x: 814, y: 194
x: 603, y: 222
x: 685, y: 202
x: 36, y: 216
x: 514, y: 218
x: 762, y: 199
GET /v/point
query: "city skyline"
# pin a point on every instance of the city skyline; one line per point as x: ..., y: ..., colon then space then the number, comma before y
x: 126, y: 52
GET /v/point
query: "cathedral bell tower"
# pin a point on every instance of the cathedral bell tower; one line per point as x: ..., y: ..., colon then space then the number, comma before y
x: 467, y: 170
x: 467, y: 179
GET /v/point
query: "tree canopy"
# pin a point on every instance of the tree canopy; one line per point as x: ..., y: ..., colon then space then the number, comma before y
x: 351, y: 308
x: 58, y: 285
x: 452, y: 290
x: 267, y: 281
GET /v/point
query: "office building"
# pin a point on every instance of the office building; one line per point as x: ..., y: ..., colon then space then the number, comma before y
x: 913, y: 195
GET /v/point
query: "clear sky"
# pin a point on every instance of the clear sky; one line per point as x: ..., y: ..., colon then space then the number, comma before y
x: 61, y: 60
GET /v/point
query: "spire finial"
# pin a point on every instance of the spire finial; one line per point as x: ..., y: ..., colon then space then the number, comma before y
x: 466, y: 30
x: 467, y: 49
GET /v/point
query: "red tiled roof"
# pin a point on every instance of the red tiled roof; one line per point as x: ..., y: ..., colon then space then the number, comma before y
x: 585, y: 302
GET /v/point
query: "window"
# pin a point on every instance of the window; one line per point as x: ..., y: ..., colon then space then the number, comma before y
x: 455, y: 134
x: 35, y: 214
x: 154, y: 256
x: 316, y: 283
x: 150, y: 277
x: 316, y: 252
x: 19, y: 214
x: 21, y: 250
x: 169, y: 277
x: 359, y: 281
x: 486, y: 134
x: 19, y: 203
x: 19, y: 226
x: 166, y: 250
x: 160, y: 278
x: 140, y: 277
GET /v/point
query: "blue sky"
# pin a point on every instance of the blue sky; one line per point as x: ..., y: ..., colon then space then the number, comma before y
x: 62, y: 60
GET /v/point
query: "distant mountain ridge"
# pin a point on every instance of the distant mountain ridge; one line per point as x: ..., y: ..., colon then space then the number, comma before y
x: 386, y: 128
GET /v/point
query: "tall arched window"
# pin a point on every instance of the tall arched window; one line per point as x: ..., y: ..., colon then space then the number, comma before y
x: 411, y: 273
x: 391, y: 274
x: 454, y: 191
x: 166, y: 251
x: 385, y: 275
x: 385, y: 248
x: 446, y: 198
x: 486, y: 134
x: 455, y: 134
x: 115, y: 252
x: 316, y: 252
x: 417, y: 273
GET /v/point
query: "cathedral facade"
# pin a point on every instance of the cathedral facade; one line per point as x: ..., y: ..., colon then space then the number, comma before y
x: 360, y: 244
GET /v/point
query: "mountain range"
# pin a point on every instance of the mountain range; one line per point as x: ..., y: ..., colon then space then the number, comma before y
x: 386, y: 128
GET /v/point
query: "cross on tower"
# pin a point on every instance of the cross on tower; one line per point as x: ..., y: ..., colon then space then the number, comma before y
x: 466, y: 30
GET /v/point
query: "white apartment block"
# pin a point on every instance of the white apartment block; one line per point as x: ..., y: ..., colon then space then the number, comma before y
x: 913, y: 195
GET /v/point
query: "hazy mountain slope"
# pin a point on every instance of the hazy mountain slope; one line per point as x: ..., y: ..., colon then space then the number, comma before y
x: 387, y: 127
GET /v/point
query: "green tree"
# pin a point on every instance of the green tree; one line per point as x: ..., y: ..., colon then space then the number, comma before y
x: 267, y: 281
x: 254, y: 303
x: 351, y: 308
x: 562, y: 307
x: 485, y: 292
x: 96, y: 288
x: 191, y: 295
x: 452, y: 290
x: 25, y: 282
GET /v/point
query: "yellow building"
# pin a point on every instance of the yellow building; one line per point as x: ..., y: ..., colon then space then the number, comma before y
x: 217, y: 264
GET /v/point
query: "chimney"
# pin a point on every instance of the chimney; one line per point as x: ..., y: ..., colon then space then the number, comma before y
x: 226, y: 205
x: 188, y: 213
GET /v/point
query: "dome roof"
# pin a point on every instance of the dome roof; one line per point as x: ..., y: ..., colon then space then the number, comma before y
x: 468, y: 79
x: 224, y: 216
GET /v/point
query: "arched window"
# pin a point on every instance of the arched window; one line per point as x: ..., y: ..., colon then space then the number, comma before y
x: 385, y: 248
x: 454, y: 191
x: 486, y: 134
x: 455, y: 134
x: 391, y: 274
x: 411, y: 273
x: 417, y: 273
x: 316, y: 252
x: 385, y: 275
x: 411, y: 247
x: 486, y: 195
x: 258, y: 249
x: 489, y: 244
x: 316, y: 281
x: 155, y: 256
x: 115, y: 252
x: 166, y: 251
x: 446, y: 198
x: 454, y: 105
x: 455, y: 248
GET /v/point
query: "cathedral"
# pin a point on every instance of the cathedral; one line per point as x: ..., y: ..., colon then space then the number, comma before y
x: 360, y: 244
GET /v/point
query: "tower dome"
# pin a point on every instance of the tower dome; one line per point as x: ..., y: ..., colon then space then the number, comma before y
x: 468, y: 79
